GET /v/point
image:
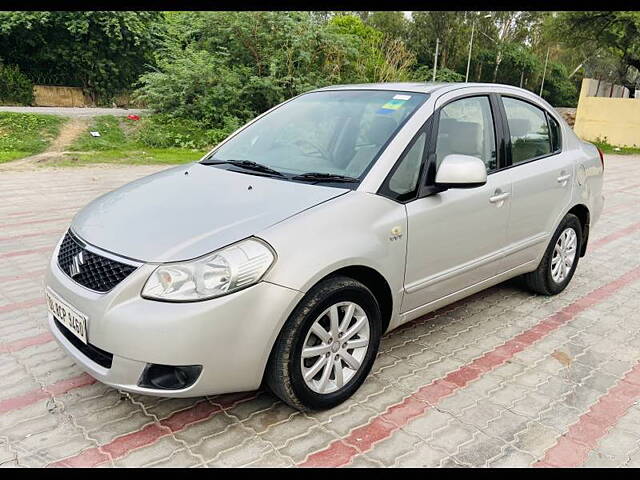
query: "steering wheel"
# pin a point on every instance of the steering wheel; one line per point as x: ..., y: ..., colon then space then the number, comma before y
x: 315, y: 148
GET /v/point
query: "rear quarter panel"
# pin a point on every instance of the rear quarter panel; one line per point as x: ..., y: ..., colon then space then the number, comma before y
x: 589, y: 178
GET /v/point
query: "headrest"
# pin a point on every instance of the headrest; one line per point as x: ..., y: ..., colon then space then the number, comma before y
x: 519, y: 127
x: 463, y: 137
x: 468, y: 140
x: 381, y: 129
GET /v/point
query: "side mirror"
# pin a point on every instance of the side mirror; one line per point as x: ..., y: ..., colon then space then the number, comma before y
x: 461, y: 171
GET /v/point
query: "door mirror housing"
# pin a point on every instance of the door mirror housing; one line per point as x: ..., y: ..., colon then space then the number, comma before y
x: 461, y: 171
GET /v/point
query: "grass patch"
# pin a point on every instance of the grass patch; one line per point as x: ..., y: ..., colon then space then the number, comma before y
x: 612, y: 149
x: 147, y: 156
x: 12, y: 155
x: 122, y: 141
x: 24, y: 134
x: 112, y: 136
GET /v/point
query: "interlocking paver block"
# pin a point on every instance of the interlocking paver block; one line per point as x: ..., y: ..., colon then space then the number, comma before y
x: 505, y: 415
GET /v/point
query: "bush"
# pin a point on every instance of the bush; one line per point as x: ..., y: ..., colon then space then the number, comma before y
x: 227, y: 67
x: 559, y: 90
x: 425, y: 74
x: 163, y: 131
x: 15, y: 87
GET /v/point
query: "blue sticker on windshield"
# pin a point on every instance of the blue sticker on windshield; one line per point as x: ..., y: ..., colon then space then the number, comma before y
x: 394, y: 104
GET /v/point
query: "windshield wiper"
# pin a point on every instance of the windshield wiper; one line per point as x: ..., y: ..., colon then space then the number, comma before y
x: 246, y: 164
x: 324, y: 177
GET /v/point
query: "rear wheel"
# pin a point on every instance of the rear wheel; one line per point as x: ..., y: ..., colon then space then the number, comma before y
x: 560, y: 259
x: 327, y: 347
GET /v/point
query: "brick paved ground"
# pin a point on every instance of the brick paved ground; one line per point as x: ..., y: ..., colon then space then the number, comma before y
x: 504, y: 378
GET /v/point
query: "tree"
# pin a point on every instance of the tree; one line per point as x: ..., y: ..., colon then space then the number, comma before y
x: 381, y: 58
x: 103, y: 52
x: 447, y: 27
x: 606, y: 38
x: 514, y: 27
x: 391, y: 24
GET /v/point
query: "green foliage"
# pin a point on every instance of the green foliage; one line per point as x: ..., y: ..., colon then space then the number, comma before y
x: 24, y: 134
x: 221, y: 69
x: 380, y: 58
x: 606, y: 147
x: 154, y: 139
x: 155, y: 131
x: 15, y: 87
x: 103, y: 52
x: 391, y: 24
x: 162, y: 131
x: 131, y: 156
x: 111, y: 135
x: 606, y: 42
x: 201, y: 87
x: 557, y: 86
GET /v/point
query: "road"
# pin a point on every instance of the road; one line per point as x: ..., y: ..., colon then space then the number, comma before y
x: 76, y: 111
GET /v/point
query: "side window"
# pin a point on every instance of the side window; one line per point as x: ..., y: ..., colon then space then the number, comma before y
x: 556, y: 142
x: 466, y: 127
x: 403, y: 183
x: 528, y: 129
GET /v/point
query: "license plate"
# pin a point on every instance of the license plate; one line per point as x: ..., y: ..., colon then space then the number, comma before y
x: 68, y: 316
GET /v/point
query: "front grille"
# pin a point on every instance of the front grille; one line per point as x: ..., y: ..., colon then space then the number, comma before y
x: 99, y: 356
x: 95, y: 272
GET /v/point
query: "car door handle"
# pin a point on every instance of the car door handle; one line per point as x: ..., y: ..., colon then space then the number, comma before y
x: 500, y: 197
x: 564, y: 178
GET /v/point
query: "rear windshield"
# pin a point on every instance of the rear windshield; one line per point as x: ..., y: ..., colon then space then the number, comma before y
x: 334, y: 132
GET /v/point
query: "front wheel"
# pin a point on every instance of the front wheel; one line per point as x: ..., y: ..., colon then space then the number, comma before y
x: 327, y: 347
x: 560, y: 259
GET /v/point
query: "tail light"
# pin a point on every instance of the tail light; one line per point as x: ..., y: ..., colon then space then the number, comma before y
x: 601, y: 157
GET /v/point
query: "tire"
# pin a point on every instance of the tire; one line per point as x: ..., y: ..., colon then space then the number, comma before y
x: 284, y: 373
x: 542, y: 280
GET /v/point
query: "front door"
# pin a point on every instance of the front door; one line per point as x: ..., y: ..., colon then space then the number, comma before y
x: 455, y: 236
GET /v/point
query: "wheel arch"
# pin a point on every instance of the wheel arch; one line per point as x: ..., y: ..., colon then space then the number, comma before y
x: 582, y: 212
x: 375, y: 282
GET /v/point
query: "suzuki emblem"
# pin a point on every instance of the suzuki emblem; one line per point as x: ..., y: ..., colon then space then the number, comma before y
x: 76, y: 263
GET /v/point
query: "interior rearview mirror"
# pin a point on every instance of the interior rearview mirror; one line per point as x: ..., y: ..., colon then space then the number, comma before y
x: 461, y: 171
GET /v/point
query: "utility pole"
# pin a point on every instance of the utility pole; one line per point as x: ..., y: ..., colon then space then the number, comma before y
x: 473, y: 27
x: 435, y: 59
x: 544, y: 72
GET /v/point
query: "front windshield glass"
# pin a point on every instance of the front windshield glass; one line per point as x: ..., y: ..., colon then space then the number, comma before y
x: 332, y: 132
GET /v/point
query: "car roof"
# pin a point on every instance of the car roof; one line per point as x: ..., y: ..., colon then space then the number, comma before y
x: 418, y: 87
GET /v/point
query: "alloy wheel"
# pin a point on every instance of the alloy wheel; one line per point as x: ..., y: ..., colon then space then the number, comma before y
x: 564, y: 255
x: 335, y: 347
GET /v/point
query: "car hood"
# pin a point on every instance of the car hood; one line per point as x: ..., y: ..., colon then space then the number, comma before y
x: 189, y: 211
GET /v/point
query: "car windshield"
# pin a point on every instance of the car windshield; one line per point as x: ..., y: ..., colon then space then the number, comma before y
x: 328, y: 132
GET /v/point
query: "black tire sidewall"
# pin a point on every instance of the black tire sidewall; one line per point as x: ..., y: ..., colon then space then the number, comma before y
x: 352, y: 293
x: 569, y: 221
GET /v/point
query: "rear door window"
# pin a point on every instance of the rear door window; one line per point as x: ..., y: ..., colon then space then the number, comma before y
x: 528, y: 129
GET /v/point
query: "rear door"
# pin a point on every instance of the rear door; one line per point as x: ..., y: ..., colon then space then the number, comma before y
x: 542, y: 178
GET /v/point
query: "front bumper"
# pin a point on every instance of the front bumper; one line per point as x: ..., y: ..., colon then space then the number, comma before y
x: 231, y: 336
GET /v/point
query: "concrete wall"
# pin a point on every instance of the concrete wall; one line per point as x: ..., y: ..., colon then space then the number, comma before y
x: 49, y: 96
x: 616, y: 120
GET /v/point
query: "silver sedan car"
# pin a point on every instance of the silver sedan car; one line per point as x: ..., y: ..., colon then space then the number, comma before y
x: 285, y: 253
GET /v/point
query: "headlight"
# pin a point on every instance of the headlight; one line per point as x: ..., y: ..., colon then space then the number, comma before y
x: 224, y: 271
